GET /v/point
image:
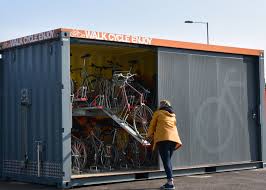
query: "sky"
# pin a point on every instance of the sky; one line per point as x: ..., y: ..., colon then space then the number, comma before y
x: 238, y: 23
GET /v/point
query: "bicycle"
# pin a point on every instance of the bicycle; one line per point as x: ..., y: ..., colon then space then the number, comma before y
x: 116, y: 138
x: 137, y: 153
x: 129, y: 151
x: 102, y: 88
x: 130, y: 105
x: 82, y: 94
x: 138, y: 84
x: 99, y: 153
x: 78, y: 154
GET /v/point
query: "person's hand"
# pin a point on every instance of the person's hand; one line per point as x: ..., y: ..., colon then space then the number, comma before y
x: 149, y: 139
x: 146, y: 142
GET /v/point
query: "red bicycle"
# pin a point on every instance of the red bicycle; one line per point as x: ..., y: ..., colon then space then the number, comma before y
x: 130, y: 102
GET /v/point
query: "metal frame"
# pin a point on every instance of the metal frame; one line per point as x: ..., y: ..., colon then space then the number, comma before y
x: 158, y: 174
x: 221, y: 55
x: 66, y: 181
x: 1, y: 129
x: 262, y: 109
x: 74, y: 41
x: 66, y: 108
x: 51, y: 172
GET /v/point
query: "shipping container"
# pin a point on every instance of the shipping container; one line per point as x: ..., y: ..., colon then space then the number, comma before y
x: 67, y: 117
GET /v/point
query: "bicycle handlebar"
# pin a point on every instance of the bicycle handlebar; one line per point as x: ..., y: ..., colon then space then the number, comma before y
x: 126, y: 77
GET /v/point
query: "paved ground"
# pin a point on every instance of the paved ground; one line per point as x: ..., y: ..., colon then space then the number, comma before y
x: 242, y: 180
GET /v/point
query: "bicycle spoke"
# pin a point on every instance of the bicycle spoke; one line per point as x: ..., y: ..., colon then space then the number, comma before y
x: 141, y: 120
x: 79, y: 155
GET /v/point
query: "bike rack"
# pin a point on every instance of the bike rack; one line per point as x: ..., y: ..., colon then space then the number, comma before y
x: 127, y: 127
x: 93, y: 111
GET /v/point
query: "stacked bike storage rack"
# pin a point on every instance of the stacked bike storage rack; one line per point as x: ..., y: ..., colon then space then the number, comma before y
x: 124, y: 104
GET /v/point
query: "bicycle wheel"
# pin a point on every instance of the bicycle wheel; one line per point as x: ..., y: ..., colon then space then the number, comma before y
x: 108, y: 156
x: 118, y: 138
x: 141, y: 119
x: 92, y: 152
x: 119, y: 103
x: 136, y: 154
x: 78, y: 155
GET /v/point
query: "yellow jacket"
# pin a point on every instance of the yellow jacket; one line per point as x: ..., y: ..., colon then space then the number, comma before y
x: 163, y: 127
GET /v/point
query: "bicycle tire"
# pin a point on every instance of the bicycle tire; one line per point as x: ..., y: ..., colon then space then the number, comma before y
x: 137, y: 154
x: 119, y: 140
x: 78, y: 154
x: 109, y: 156
x: 141, y: 119
x: 92, y: 157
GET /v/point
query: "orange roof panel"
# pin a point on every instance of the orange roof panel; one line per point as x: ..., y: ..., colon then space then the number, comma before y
x: 133, y: 39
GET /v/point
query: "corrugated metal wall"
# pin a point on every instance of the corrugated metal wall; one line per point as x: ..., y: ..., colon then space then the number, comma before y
x: 209, y: 95
x: 32, y: 72
x: 66, y: 109
x: 1, y: 111
x: 253, y: 94
x: 262, y: 110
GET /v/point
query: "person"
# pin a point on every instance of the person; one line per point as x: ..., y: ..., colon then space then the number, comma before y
x: 165, y: 137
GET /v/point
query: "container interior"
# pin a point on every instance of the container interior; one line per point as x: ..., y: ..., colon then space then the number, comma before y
x: 101, y: 100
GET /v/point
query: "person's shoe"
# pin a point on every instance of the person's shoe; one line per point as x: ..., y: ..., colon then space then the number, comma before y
x: 167, y: 187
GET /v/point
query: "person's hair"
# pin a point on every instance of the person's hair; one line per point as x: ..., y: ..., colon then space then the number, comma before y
x: 164, y: 103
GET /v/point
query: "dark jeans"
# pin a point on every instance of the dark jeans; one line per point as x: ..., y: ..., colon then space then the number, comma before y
x: 166, y: 149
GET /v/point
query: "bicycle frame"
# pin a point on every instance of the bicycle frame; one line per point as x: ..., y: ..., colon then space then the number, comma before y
x: 139, y: 93
x: 86, y: 85
x: 127, y: 104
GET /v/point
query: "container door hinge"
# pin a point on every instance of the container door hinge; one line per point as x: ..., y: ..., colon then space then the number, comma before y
x: 62, y: 130
x: 62, y: 86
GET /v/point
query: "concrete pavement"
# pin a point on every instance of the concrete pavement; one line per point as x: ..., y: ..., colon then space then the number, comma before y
x: 239, y: 180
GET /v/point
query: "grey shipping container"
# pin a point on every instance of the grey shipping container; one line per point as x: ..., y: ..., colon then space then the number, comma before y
x: 217, y: 93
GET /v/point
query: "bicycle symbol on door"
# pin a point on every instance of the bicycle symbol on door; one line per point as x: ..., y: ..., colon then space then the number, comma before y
x: 226, y: 105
